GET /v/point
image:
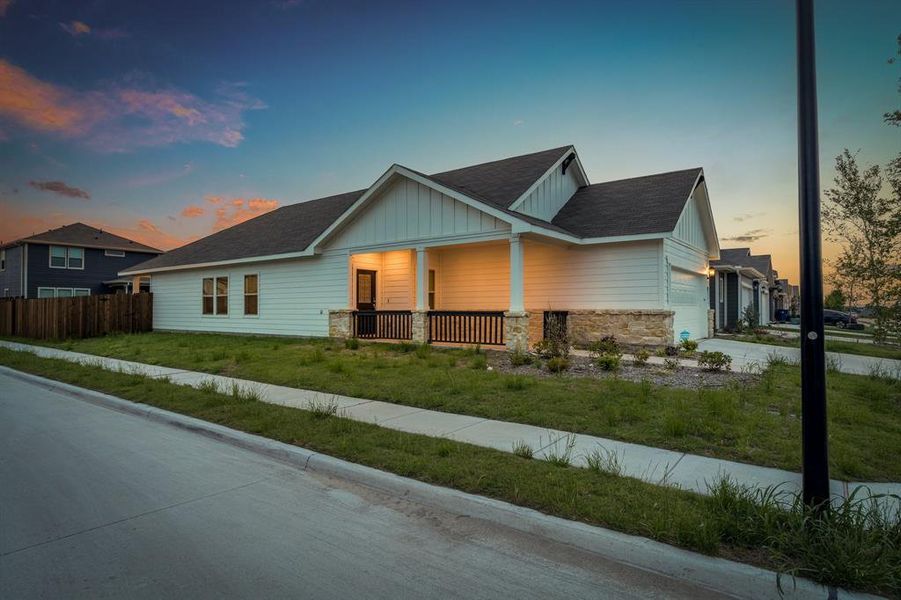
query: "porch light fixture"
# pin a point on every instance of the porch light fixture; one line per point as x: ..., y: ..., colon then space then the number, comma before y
x: 711, y: 271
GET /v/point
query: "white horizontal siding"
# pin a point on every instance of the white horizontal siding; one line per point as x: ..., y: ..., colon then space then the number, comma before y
x: 475, y: 277
x: 294, y: 297
x: 546, y: 200
x: 598, y: 276
x: 410, y: 211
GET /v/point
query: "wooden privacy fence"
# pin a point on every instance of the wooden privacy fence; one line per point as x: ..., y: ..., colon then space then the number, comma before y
x: 81, y: 317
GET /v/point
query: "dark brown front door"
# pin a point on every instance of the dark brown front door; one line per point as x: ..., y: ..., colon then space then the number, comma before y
x: 365, y: 290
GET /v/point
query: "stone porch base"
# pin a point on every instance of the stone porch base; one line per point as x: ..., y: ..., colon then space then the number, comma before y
x: 632, y: 327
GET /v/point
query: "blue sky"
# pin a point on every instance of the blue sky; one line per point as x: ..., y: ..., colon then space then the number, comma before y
x: 178, y: 118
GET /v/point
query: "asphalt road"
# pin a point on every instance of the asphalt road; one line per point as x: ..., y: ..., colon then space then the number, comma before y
x: 95, y: 503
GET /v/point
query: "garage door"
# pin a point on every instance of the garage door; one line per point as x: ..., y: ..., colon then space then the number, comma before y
x: 689, y: 300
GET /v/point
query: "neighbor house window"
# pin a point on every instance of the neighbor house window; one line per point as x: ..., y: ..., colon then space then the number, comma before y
x: 63, y: 292
x: 2, y: 260
x: 63, y: 257
x: 251, y: 294
x: 82, y: 292
x: 431, y: 289
x: 58, y: 257
x: 116, y: 253
x: 49, y: 292
x: 76, y: 258
x: 44, y: 292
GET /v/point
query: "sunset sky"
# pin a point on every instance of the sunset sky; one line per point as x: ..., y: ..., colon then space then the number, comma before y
x: 166, y: 121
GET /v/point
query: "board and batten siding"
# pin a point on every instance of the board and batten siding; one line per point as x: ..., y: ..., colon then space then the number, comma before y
x: 294, y: 297
x: 546, y: 200
x: 407, y: 211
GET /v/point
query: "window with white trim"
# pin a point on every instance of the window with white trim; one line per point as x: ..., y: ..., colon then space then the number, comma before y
x: 58, y: 256
x: 115, y: 253
x: 251, y: 294
x: 64, y: 292
x: 215, y: 296
x: 66, y: 257
x: 76, y: 258
x: 45, y: 292
x: 82, y: 292
x: 432, y: 288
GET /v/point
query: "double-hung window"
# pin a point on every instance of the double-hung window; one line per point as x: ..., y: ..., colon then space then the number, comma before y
x: 65, y: 257
x: 251, y: 295
x: 58, y: 257
x: 432, y: 288
x: 215, y: 295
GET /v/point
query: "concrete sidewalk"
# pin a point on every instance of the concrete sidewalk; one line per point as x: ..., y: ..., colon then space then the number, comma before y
x: 749, y: 354
x: 654, y: 465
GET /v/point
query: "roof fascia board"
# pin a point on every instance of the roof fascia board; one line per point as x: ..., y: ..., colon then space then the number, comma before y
x: 571, y: 150
x: 219, y: 263
x: 709, y: 222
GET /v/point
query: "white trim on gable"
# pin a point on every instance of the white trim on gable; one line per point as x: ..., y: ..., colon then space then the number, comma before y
x: 577, y: 162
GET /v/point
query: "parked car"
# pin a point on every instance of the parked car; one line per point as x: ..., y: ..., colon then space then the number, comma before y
x: 838, y: 318
x: 782, y: 315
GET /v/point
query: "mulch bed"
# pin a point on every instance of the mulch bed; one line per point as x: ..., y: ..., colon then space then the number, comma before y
x: 581, y: 366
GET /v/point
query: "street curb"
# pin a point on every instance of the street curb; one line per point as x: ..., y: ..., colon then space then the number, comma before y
x: 727, y: 577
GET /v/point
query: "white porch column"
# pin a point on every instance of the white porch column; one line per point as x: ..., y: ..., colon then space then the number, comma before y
x: 422, y: 279
x: 517, y: 293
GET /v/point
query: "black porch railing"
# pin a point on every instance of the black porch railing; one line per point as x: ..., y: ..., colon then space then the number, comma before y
x: 383, y: 324
x: 467, y: 327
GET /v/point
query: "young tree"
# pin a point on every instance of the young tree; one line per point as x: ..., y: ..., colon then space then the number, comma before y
x: 835, y: 300
x: 867, y: 223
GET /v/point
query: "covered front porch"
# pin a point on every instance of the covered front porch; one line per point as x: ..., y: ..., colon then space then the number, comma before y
x: 458, y: 293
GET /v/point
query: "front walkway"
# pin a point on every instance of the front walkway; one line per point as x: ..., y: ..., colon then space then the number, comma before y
x: 654, y: 465
x: 748, y: 354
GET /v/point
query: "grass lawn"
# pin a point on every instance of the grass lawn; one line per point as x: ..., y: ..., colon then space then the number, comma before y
x: 851, y: 548
x: 847, y: 347
x: 757, y: 424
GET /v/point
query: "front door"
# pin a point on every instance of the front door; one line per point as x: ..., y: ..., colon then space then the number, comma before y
x: 365, y: 290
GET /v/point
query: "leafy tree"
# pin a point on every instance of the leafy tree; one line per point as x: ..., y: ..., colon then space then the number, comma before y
x: 867, y: 223
x: 835, y: 299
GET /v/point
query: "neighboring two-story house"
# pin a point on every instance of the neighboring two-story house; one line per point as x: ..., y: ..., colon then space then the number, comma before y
x: 75, y: 260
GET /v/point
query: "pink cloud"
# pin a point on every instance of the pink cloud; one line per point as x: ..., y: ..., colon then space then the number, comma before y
x: 192, y: 211
x: 239, y: 210
x: 119, y: 118
x: 76, y: 28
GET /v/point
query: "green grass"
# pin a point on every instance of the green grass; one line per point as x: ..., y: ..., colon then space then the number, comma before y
x: 853, y: 549
x: 846, y: 347
x: 756, y: 424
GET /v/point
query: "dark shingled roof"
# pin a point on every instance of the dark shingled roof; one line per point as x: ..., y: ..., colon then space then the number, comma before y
x: 79, y: 234
x: 632, y: 206
x: 649, y: 204
x: 500, y: 182
x: 742, y: 257
x: 287, y: 229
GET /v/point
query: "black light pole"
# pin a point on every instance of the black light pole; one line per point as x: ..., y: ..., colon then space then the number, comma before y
x: 814, y: 442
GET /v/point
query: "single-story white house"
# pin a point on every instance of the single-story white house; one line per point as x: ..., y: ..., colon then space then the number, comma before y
x: 481, y: 254
x: 740, y: 280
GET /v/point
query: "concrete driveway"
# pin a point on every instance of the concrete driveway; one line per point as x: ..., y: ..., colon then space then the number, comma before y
x: 747, y: 354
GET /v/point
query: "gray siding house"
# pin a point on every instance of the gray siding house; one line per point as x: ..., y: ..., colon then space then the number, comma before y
x: 74, y: 260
